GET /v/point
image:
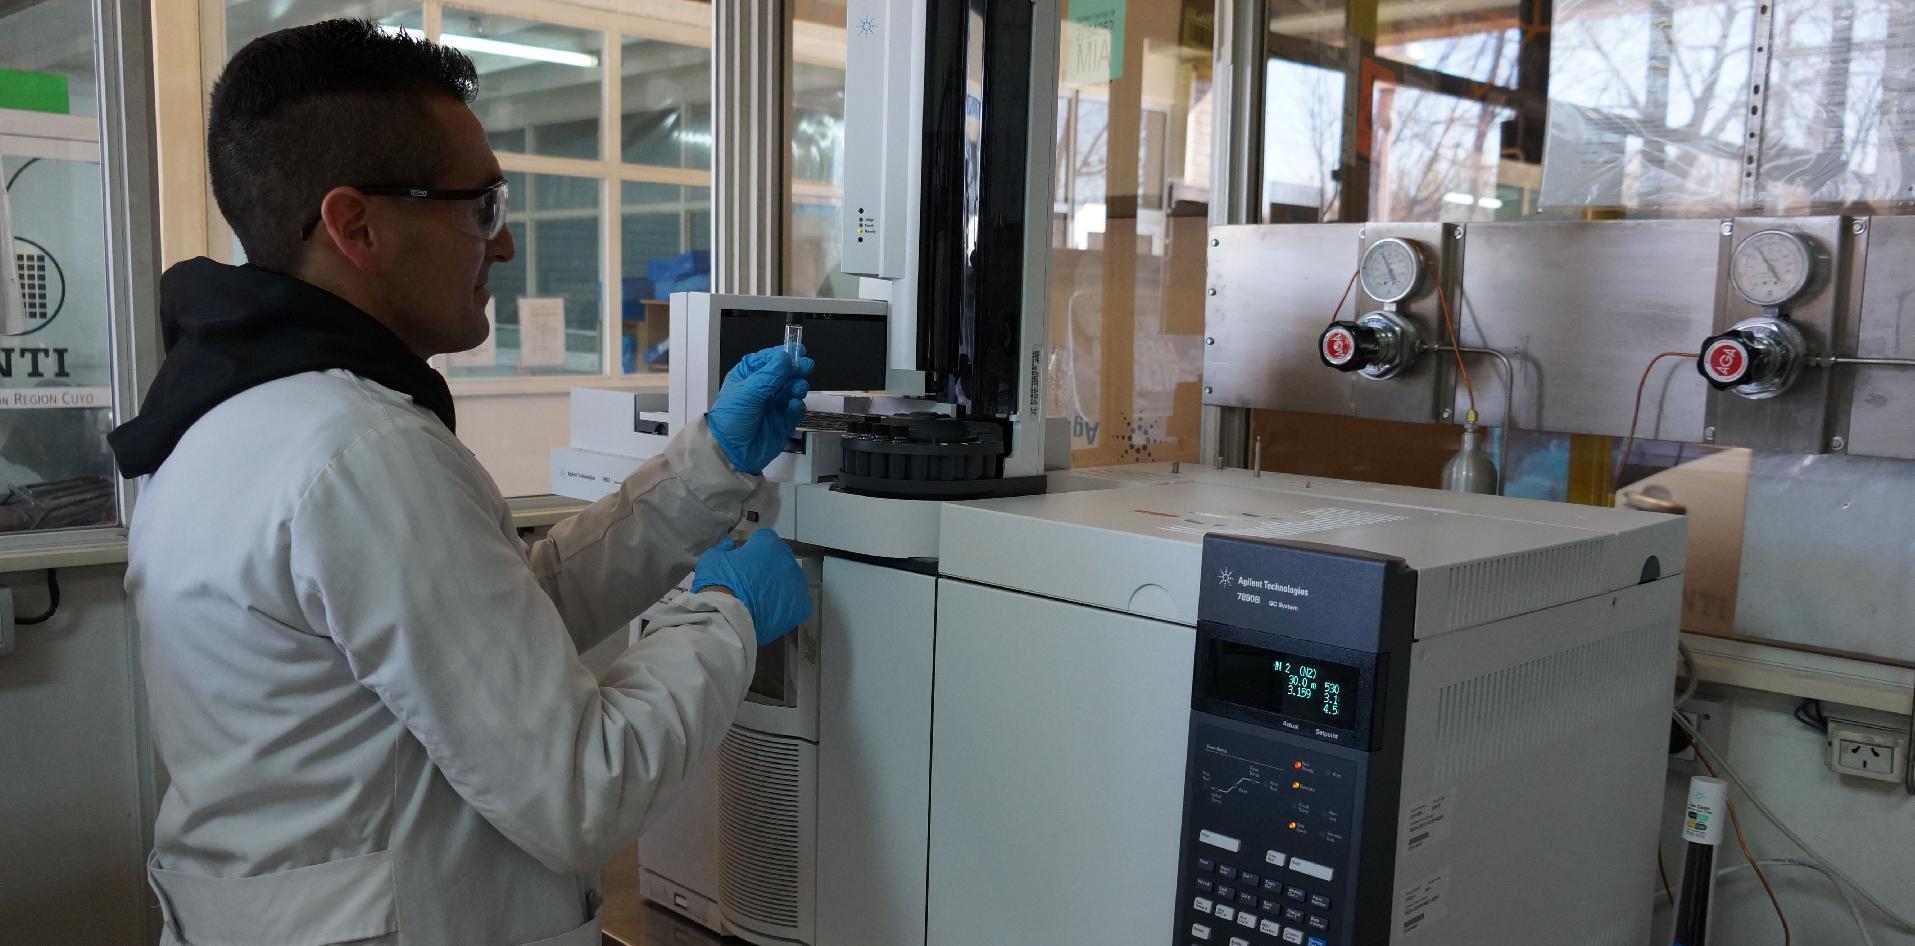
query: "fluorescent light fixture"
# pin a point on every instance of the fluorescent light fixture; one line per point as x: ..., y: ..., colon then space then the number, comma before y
x: 478, y: 44
x: 1457, y: 197
x: 1490, y: 203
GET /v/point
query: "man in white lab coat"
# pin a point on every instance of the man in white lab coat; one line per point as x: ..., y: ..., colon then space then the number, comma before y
x: 366, y: 690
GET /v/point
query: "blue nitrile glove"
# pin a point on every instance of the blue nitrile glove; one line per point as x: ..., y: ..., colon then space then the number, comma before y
x: 759, y: 407
x: 764, y: 575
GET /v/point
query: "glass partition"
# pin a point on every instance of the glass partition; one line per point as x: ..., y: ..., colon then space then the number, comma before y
x: 56, y: 334
x: 1129, y: 231
x: 813, y: 239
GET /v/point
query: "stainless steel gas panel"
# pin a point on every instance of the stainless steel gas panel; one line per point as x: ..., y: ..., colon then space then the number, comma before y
x: 1809, y: 416
x: 1580, y: 308
x: 1881, y: 406
x: 1272, y: 292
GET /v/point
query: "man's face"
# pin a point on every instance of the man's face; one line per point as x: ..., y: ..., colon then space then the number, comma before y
x: 432, y: 277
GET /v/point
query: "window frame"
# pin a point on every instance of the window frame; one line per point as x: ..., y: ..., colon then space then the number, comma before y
x: 122, y: 63
x: 607, y: 169
x: 819, y: 44
x: 1363, y: 68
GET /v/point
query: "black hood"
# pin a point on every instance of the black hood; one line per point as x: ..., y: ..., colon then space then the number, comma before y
x: 230, y: 328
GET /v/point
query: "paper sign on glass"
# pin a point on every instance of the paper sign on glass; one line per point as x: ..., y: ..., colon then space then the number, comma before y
x: 1094, y: 42
x: 541, y: 333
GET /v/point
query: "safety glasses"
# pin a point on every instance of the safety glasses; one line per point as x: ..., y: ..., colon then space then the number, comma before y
x: 483, y: 216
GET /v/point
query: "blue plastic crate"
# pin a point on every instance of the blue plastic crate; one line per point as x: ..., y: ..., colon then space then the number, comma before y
x: 680, y: 266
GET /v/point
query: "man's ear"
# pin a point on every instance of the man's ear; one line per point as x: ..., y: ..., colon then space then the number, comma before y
x: 345, y: 218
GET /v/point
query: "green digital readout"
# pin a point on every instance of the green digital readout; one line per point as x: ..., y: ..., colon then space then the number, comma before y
x: 1276, y: 682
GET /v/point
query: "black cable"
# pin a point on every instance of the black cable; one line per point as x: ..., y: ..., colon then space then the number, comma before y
x: 1809, y: 713
x: 16, y: 171
x: 53, y: 602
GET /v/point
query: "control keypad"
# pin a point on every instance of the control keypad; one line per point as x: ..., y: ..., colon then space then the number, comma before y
x: 1256, y: 904
x: 1269, y: 837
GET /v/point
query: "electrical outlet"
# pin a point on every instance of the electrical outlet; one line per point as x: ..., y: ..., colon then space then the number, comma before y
x: 6, y: 621
x: 1867, y: 751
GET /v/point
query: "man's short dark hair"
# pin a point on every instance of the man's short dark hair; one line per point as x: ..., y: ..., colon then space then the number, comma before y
x: 304, y: 110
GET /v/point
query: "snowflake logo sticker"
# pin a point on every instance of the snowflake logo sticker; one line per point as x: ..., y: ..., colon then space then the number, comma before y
x: 867, y: 26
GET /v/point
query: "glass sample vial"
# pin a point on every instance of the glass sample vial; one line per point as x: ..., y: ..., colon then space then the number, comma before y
x: 794, y: 334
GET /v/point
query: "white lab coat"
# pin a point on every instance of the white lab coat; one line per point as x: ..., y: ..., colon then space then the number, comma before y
x: 367, y: 690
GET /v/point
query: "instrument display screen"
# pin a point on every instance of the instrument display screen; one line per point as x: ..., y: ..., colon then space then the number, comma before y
x: 1318, y: 691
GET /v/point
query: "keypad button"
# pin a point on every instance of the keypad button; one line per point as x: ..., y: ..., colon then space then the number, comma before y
x: 1318, y: 923
x: 1292, y: 935
x: 1239, y: 941
x: 1246, y: 920
x: 1224, y: 913
x: 1313, y: 869
x: 1206, y: 886
x: 1271, y: 886
x: 1201, y: 904
x: 1247, y: 899
x: 1271, y: 906
x: 1250, y: 879
x: 1297, y: 893
x: 1274, y: 858
x: 1206, y: 865
x: 1317, y: 941
x: 1293, y: 916
x: 1199, y: 931
x: 1226, y: 894
x: 1319, y: 902
x: 1269, y: 928
x: 1227, y: 872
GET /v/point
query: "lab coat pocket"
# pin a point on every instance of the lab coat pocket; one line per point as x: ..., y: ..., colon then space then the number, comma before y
x: 336, y: 902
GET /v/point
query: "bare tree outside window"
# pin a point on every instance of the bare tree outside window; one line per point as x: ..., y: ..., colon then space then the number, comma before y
x: 1653, y: 108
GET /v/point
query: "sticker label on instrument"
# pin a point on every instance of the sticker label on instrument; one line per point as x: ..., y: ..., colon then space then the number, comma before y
x: 1428, y: 823
x: 1426, y: 903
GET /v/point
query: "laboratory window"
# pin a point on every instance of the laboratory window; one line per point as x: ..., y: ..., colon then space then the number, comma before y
x: 57, y: 352
x: 1517, y: 110
x: 1129, y: 227
x: 814, y: 244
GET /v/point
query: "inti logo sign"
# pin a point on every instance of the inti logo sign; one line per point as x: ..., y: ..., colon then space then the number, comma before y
x: 42, y: 298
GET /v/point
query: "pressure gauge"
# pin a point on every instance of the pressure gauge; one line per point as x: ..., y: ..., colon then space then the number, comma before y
x: 1771, y: 267
x: 1391, y: 268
